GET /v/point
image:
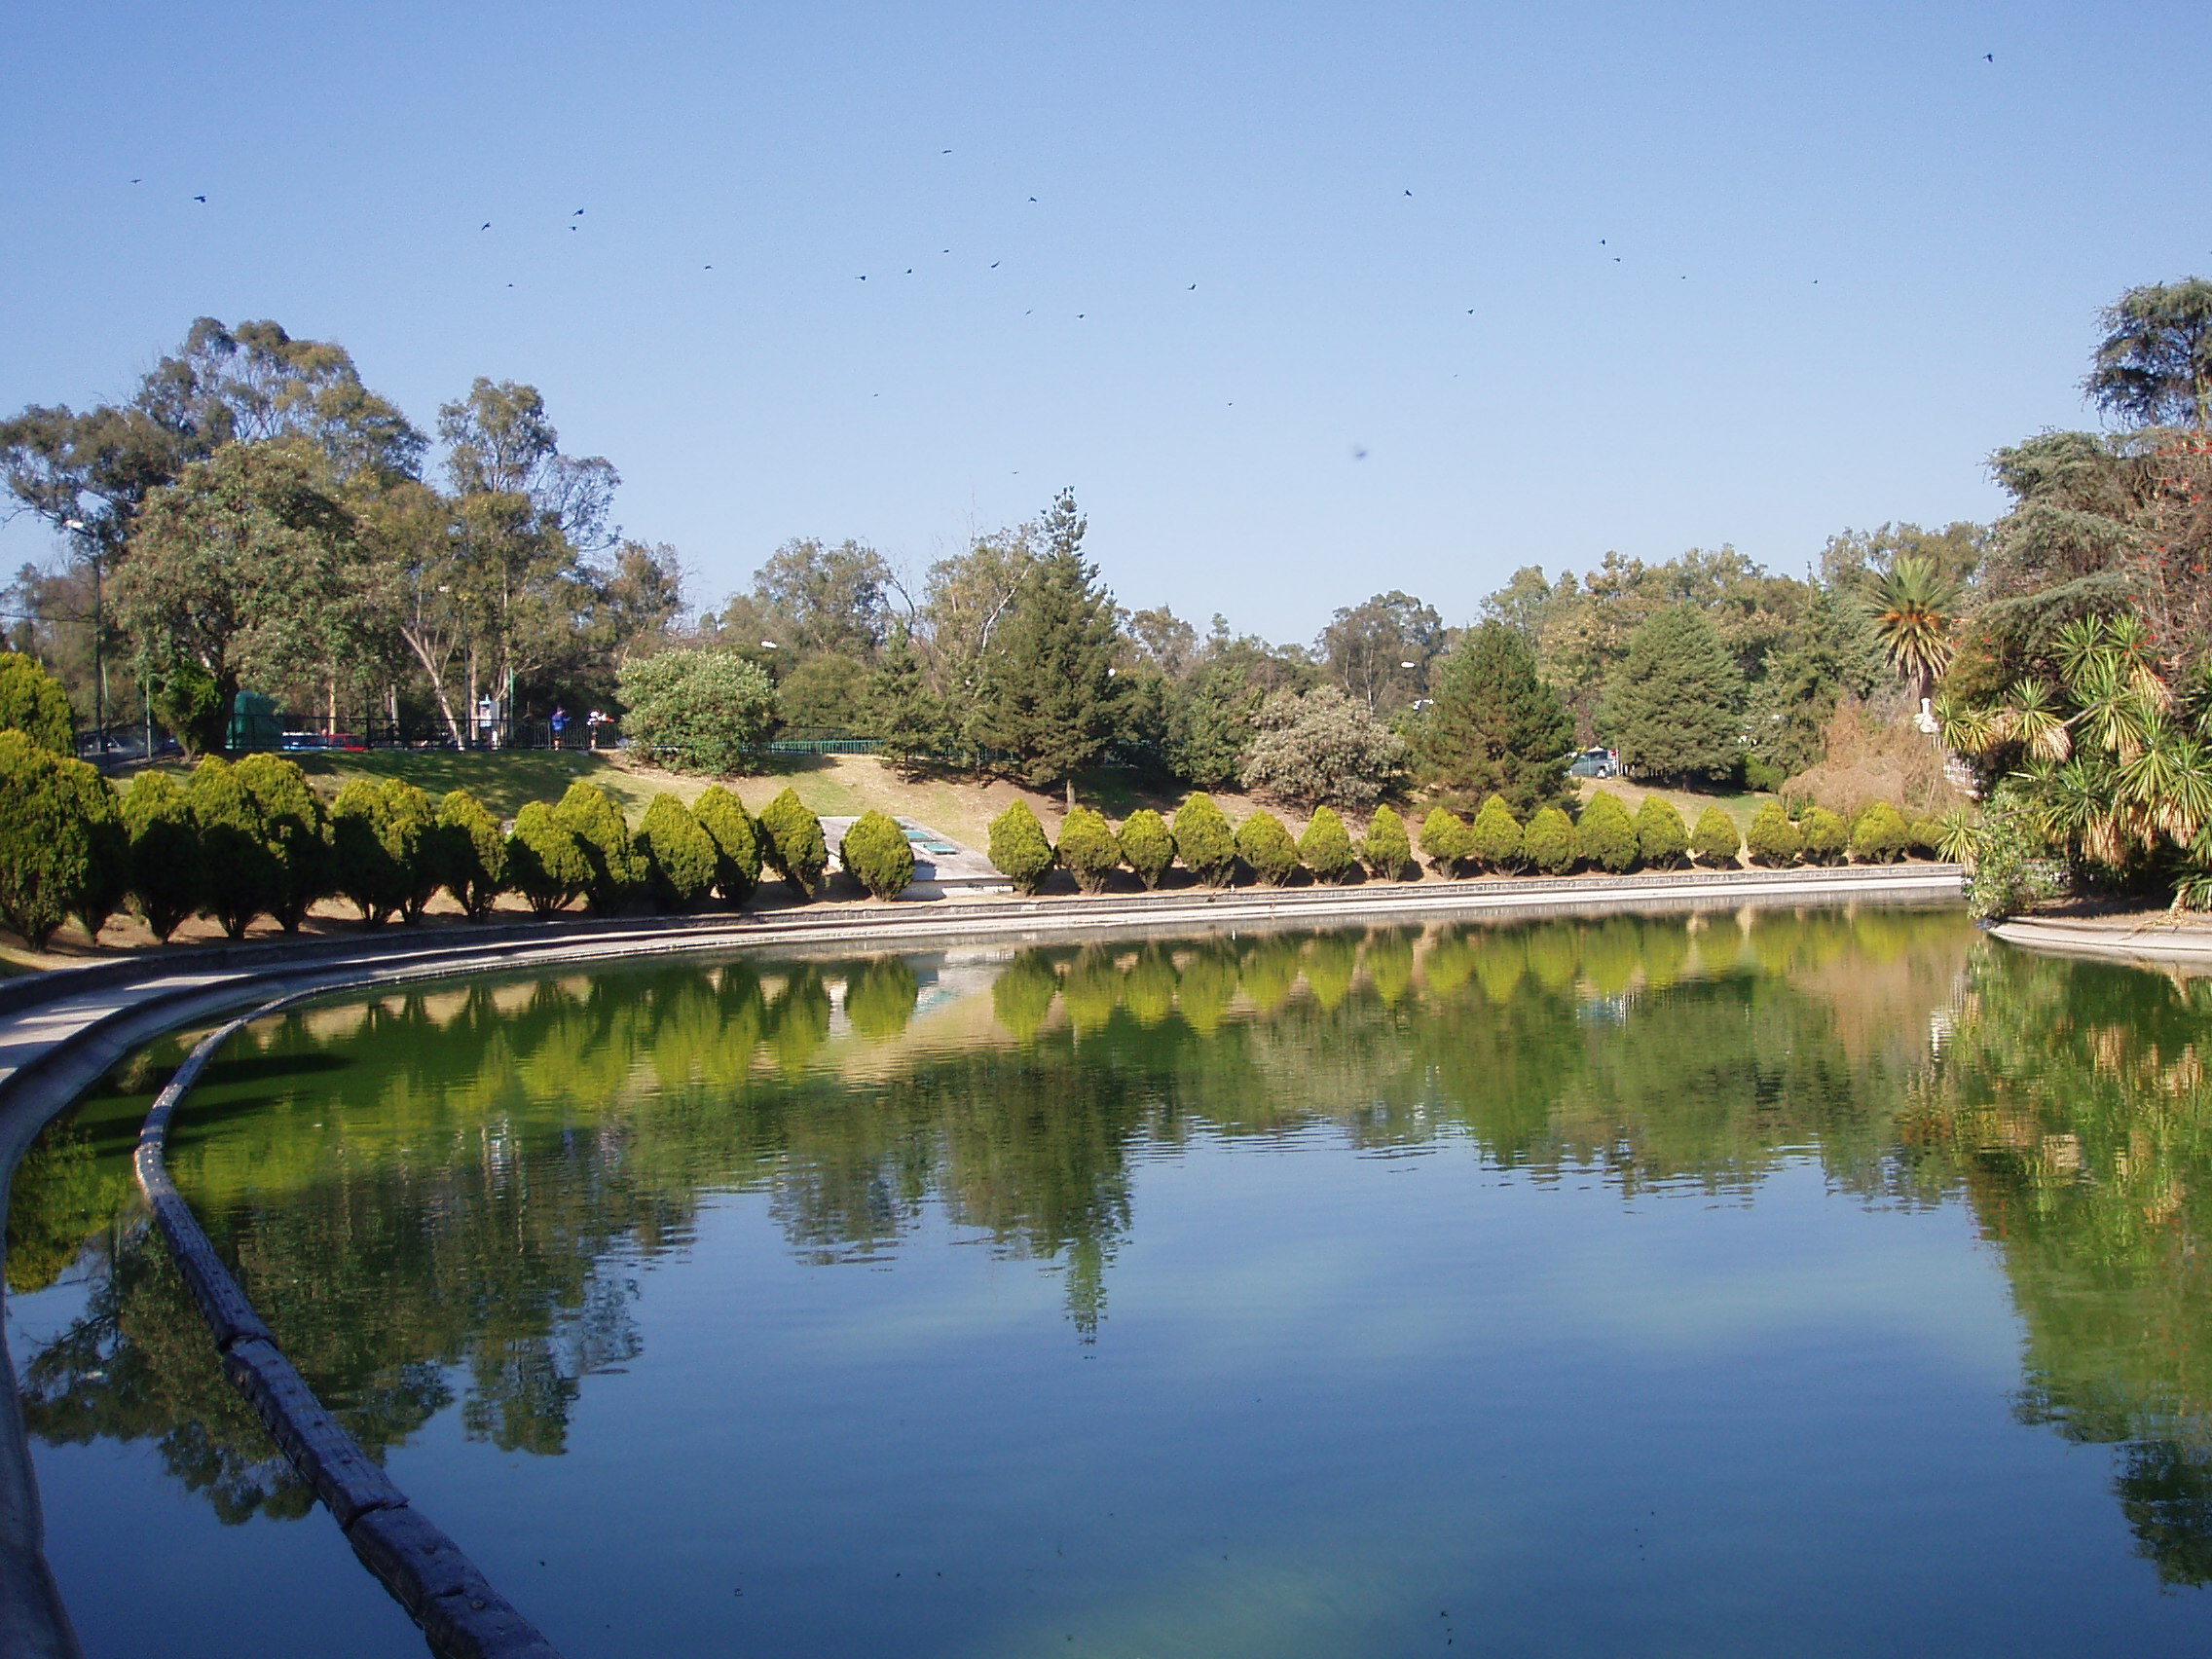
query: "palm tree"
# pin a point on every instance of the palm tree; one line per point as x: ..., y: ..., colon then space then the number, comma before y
x: 1915, y: 615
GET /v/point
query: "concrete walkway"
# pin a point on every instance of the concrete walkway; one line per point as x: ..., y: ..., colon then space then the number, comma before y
x: 60, y: 1032
x: 2160, y: 941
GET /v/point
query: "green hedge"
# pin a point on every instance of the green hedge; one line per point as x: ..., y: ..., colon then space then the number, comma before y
x: 791, y: 843
x: 1606, y: 835
x: 1495, y: 838
x: 1325, y: 848
x: 1018, y: 849
x: 546, y: 860
x: 1386, y: 849
x: 1550, y: 842
x: 165, y: 876
x: 1266, y: 845
x: 1772, y: 838
x: 679, y: 855
x: 1446, y: 841
x: 1826, y: 836
x: 737, y: 842
x: 1147, y: 846
x: 1716, y: 841
x: 48, y: 858
x: 876, y: 853
x: 1087, y: 849
x: 1662, y: 838
x: 1203, y: 840
x: 472, y: 853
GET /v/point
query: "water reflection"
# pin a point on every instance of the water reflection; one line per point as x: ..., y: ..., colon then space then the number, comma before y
x: 445, y: 1195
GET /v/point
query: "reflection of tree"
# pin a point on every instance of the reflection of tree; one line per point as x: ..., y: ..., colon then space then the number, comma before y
x: 2072, y: 1102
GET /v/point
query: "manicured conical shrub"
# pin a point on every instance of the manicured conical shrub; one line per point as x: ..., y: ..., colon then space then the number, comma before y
x: 364, y: 868
x: 1386, y: 849
x: 1926, y: 839
x: 33, y: 702
x: 1146, y: 845
x: 1716, y: 840
x: 1495, y: 837
x: 737, y: 842
x: 291, y: 821
x: 164, y: 852
x: 1607, y: 834
x: 1662, y: 838
x: 1880, y: 835
x: 791, y: 843
x: 617, y: 870
x: 679, y: 855
x: 1550, y: 842
x: 1826, y: 835
x: 1772, y: 838
x: 1266, y: 845
x: 1203, y: 840
x: 107, y: 876
x: 47, y: 853
x: 416, y: 842
x: 876, y: 853
x: 1446, y: 841
x: 1325, y: 848
x: 239, y: 868
x: 472, y: 856
x: 546, y: 859
x: 1018, y: 849
x: 1087, y: 849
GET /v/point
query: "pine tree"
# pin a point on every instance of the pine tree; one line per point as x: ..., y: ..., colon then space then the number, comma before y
x: 1496, y: 728
x: 1673, y: 708
x: 1050, y: 699
x: 903, y: 712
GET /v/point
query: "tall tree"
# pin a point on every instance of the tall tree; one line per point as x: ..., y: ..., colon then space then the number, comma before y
x: 1916, y: 617
x: 1379, y: 651
x: 2153, y: 366
x: 826, y: 601
x: 1049, y: 693
x: 1494, y: 727
x: 1674, y: 709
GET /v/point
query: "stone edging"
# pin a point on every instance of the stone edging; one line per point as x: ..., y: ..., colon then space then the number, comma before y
x: 434, y: 1587
x: 2147, y: 943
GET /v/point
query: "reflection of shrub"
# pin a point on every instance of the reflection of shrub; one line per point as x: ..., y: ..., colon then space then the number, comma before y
x: 1331, y: 961
x: 546, y: 863
x: 1266, y: 845
x: 1325, y: 848
x: 1826, y: 835
x: 1389, y: 961
x: 1661, y: 835
x: 1203, y: 993
x: 1268, y: 970
x: 57, y: 1199
x: 1148, y: 990
x: 1087, y: 849
x: 1772, y: 838
x: 1607, y: 834
x: 1880, y: 836
x: 1446, y: 841
x: 679, y: 855
x: 1386, y: 849
x: 876, y: 853
x: 1716, y: 841
x: 165, y: 851
x: 1203, y: 840
x: 1496, y: 835
x: 1550, y: 842
x: 880, y: 998
x: 1018, y: 849
x: 791, y: 842
x: 736, y: 838
x: 1091, y: 990
x: 473, y: 858
x: 1146, y: 845
x: 1022, y: 996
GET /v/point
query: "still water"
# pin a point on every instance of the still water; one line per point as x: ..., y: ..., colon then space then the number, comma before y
x: 1813, y: 1283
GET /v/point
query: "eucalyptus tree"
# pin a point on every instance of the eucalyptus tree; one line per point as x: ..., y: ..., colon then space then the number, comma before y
x: 2153, y: 366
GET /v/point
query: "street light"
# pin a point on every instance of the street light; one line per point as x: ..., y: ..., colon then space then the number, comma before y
x: 99, y: 660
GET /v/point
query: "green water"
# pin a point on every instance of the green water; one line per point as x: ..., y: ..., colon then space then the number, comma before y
x: 1769, y: 1284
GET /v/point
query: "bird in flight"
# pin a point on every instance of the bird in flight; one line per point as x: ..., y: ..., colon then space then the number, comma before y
x: 1409, y: 192
x: 200, y: 198
x: 1033, y: 198
x: 1193, y: 288
x: 860, y: 279
x: 1360, y: 454
x: 485, y: 226
x: 138, y: 181
x: 994, y: 265
x: 578, y: 215
x: 945, y: 152
x: 1989, y: 58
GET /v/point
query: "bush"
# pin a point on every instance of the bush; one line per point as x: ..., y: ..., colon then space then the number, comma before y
x: 33, y: 703
x: 546, y: 860
x: 364, y: 867
x: 1716, y: 841
x: 1386, y: 849
x: 1019, y: 851
x: 1147, y: 847
x: 1924, y: 840
x: 1087, y: 849
x: 1496, y: 835
x: 876, y: 853
x: 1763, y: 774
x: 1325, y: 848
x: 1772, y: 838
x: 164, y: 852
x: 48, y: 858
x: 1266, y: 845
x: 472, y: 853
x: 1881, y: 835
x: 290, y: 817
x: 737, y: 842
x: 1550, y: 842
x: 1826, y: 835
x: 697, y: 710
x: 1203, y: 840
x: 1321, y: 747
x: 1446, y: 841
x: 617, y: 870
x: 680, y: 857
x: 791, y: 843
x: 1607, y: 834
x: 2009, y: 867
x: 237, y: 866
x: 417, y: 843
x: 107, y: 877
x: 1661, y: 835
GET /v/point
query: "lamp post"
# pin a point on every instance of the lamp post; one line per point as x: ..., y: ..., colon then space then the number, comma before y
x: 99, y: 659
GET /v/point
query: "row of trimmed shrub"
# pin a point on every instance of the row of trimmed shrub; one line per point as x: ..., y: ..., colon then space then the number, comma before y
x: 239, y: 842
x: 1604, y: 836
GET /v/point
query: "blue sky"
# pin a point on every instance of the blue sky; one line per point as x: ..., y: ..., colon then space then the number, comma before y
x: 1667, y: 275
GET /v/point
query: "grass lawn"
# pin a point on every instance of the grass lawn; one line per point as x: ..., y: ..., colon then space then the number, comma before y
x: 503, y: 780
x: 1690, y: 803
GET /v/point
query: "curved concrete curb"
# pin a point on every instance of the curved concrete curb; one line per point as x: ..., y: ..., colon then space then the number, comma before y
x: 427, y: 1572
x: 2150, y: 945
x: 87, y: 1019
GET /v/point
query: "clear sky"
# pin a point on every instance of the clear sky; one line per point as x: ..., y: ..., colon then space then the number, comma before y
x: 1305, y: 302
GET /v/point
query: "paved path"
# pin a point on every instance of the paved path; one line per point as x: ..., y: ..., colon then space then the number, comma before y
x: 2160, y: 941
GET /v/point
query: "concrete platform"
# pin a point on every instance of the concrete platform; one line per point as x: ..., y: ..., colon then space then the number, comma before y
x: 943, y: 868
